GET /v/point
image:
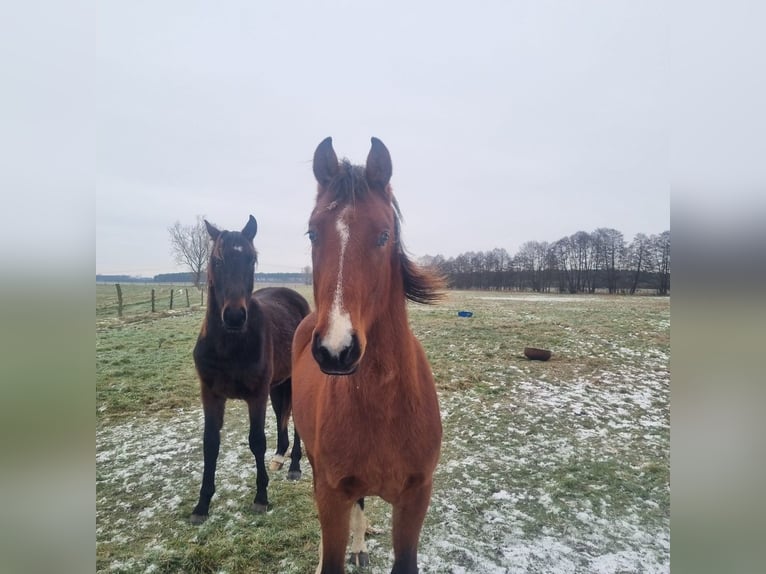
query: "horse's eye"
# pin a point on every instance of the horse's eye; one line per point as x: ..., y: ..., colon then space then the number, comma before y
x: 383, y: 239
x: 312, y: 235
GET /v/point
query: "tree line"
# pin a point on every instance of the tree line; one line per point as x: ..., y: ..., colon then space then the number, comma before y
x: 580, y: 263
x: 183, y: 277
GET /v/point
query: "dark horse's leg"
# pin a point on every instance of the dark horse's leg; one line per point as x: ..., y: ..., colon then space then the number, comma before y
x: 257, y: 410
x: 283, y: 440
x: 295, y: 454
x: 295, y: 458
x: 281, y: 401
x: 213, y: 407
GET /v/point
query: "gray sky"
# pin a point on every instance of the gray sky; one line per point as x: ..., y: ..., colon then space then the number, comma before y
x: 506, y: 121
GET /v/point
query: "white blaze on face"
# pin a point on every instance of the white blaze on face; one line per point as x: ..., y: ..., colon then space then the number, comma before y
x: 338, y: 335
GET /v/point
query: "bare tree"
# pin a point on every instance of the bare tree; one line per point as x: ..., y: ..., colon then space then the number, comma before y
x: 190, y: 247
x: 638, y: 259
x: 564, y: 250
x: 661, y: 247
x: 536, y: 261
x: 610, y: 251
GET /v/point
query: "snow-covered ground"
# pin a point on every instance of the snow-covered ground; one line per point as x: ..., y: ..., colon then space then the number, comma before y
x: 495, y: 508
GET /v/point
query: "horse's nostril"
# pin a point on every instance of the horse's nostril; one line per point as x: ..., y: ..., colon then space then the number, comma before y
x: 321, y: 353
x: 316, y: 345
x: 350, y: 354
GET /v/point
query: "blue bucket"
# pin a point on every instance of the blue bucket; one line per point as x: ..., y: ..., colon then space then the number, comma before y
x: 464, y: 314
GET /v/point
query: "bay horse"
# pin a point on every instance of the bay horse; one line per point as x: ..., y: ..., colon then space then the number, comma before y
x: 364, y: 398
x: 244, y: 352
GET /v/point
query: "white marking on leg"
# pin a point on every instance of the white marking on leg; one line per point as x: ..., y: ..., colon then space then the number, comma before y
x: 338, y: 335
x: 358, y: 529
x: 277, y: 462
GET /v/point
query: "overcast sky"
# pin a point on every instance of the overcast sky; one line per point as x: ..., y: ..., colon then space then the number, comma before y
x: 507, y: 121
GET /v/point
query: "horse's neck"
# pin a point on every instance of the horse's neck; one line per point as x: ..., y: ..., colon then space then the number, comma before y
x: 389, y: 338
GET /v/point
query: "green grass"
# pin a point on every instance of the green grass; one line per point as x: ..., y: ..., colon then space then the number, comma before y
x: 562, y: 464
x: 145, y: 366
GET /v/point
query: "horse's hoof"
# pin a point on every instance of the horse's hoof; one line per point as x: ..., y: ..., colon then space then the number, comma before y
x: 198, y: 518
x: 259, y: 508
x: 294, y: 475
x: 359, y: 559
x: 277, y: 462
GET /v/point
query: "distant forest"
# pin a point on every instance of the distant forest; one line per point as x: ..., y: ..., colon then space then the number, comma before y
x: 583, y: 262
x: 600, y: 261
x: 186, y: 277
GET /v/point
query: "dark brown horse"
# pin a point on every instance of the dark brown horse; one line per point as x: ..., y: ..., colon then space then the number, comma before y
x: 243, y: 352
x: 364, y: 399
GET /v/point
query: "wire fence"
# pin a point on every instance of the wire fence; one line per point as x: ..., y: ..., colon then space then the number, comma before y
x: 125, y: 299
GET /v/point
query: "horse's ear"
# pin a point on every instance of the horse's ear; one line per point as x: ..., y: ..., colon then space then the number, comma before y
x: 325, y: 162
x: 250, y: 229
x: 212, y: 230
x: 378, y: 170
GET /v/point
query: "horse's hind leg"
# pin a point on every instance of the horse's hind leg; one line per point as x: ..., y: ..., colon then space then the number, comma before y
x: 359, y: 555
x: 277, y: 404
x: 257, y: 439
x: 295, y: 457
x: 295, y: 454
x: 409, y: 513
x: 213, y: 407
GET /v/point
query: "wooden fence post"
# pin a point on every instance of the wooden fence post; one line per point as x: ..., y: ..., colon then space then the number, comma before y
x: 171, y: 298
x: 119, y: 299
x: 152, y: 300
x: 187, y: 297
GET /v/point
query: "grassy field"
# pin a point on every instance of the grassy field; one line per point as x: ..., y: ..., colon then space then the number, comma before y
x: 552, y: 467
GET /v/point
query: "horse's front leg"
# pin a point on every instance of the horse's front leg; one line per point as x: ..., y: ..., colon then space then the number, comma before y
x: 334, y: 513
x: 409, y: 514
x: 213, y: 407
x: 257, y: 439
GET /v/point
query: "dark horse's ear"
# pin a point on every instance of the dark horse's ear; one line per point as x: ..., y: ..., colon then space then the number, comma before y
x: 212, y: 230
x: 378, y: 170
x: 250, y: 229
x: 325, y: 162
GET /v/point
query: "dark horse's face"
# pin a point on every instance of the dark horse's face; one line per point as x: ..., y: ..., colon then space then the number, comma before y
x: 353, y: 236
x: 231, y: 270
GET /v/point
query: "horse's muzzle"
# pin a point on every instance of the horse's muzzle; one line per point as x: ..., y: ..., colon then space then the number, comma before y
x: 234, y: 318
x: 344, y: 363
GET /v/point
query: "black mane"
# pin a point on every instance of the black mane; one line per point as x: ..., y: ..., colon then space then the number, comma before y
x: 348, y: 183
